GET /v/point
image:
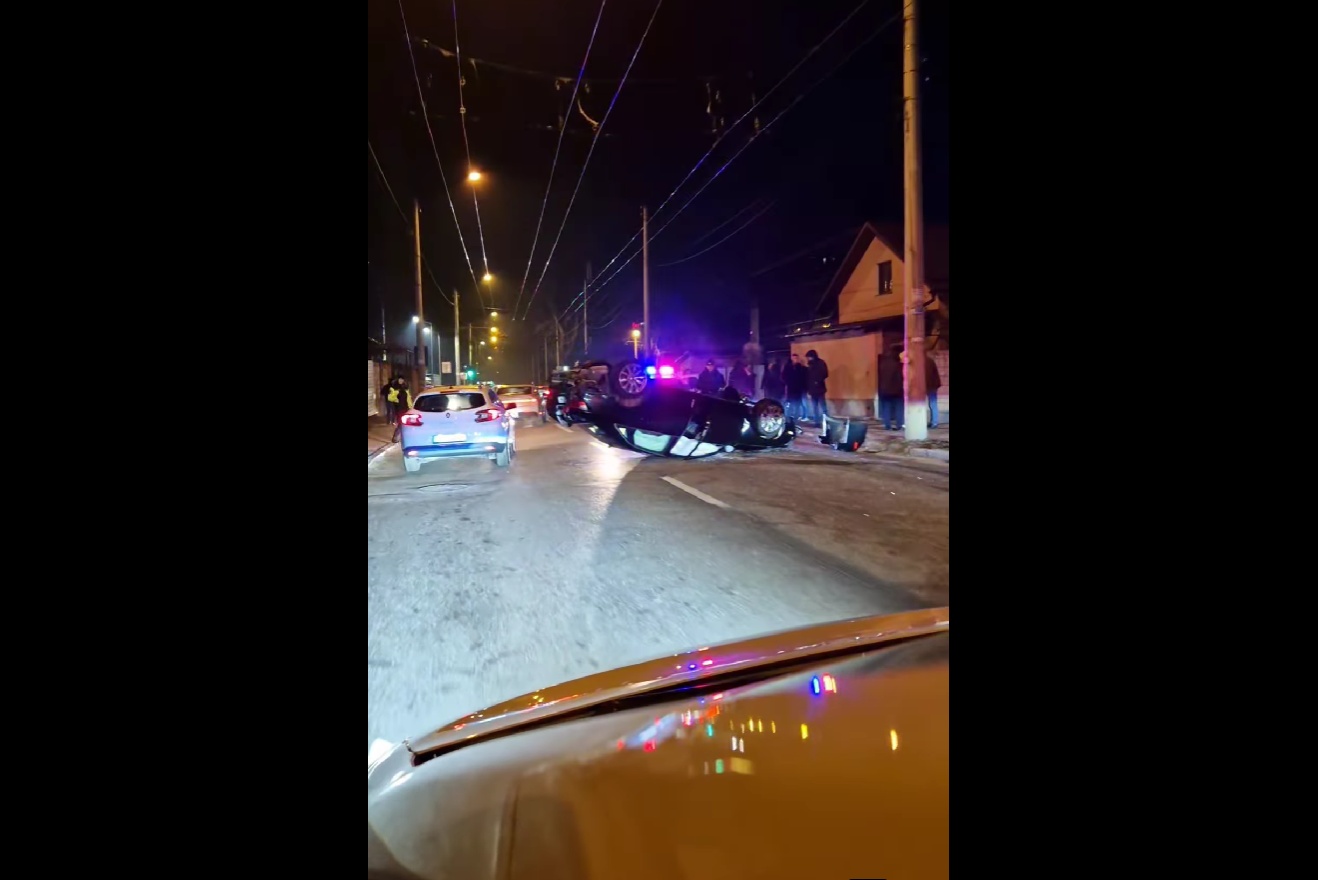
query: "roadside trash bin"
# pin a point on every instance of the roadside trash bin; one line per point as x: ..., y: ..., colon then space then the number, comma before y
x: 845, y: 434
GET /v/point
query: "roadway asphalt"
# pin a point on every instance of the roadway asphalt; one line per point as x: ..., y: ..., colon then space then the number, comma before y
x: 484, y: 584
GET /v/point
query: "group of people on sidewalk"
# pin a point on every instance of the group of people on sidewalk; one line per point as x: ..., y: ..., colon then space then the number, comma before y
x: 892, y: 388
x: 803, y: 387
x: 800, y: 386
x: 397, y: 399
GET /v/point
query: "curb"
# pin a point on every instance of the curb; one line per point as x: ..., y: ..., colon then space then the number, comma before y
x: 940, y: 454
x: 370, y: 456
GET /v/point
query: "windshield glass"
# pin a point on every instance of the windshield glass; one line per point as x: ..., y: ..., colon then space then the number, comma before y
x: 452, y: 402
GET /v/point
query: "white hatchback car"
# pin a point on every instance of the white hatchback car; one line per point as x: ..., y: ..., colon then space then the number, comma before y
x: 458, y: 422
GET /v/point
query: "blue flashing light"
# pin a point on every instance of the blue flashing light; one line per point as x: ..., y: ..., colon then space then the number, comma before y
x: 814, y: 685
x: 650, y: 371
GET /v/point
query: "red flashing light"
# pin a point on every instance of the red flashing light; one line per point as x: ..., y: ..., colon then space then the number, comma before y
x: 706, y: 662
x: 649, y: 745
x: 665, y: 372
x: 411, y: 420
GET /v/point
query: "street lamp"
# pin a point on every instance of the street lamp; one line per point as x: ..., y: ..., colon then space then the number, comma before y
x: 428, y: 331
x: 494, y: 315
x: 473, y: 175
x: 636, y: 336
x: 487, y: 278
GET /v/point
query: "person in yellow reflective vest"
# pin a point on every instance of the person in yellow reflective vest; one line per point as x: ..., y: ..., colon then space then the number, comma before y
x: 400, y: 398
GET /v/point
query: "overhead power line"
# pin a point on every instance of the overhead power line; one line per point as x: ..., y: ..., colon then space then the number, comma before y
x: 591, y: 152
x: 548, y: 186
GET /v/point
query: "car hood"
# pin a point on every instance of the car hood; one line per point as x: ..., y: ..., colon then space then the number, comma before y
x: 835, y: 767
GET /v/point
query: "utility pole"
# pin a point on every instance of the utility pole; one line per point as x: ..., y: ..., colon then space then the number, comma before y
x: 917, y: 401
x: 545, y: 340
x: 585, y: 324
x: 457, y: 348
x: 418, y: 370
x: 645, y: 279
x: 558, y: 343
x: 470, y: 353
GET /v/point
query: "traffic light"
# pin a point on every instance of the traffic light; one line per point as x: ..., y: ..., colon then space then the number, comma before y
x: 471, y: 374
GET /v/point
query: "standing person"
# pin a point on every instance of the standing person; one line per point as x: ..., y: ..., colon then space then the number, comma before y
x: 742, y: 379
x: 401, y: 398
x: 773, y: 380
x: 710, y: 379
x: 385, y: 403
x: 795, y: 376
x: 891, y: 394
x: 817, y: 386
x: 932, y: 382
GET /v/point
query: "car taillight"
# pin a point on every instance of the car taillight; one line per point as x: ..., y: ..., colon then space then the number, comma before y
x: 489, y: 415
x: 411, y: 420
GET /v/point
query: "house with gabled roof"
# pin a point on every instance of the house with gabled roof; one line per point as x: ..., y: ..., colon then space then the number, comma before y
x: 862, y: 311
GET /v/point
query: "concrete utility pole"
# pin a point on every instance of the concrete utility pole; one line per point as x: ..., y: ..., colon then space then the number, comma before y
x: 917, y: 401
x: 457, y: 348
x: 645, y: 280
x: 418, y: 368
x: 585, y: 325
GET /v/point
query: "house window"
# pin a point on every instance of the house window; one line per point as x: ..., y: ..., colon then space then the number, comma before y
x: 885, y: 277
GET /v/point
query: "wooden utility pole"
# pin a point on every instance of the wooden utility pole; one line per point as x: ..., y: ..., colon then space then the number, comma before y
x: 917, y: 401
x: 645, y: 280
x: 548, y: 372
x: 418, y: 369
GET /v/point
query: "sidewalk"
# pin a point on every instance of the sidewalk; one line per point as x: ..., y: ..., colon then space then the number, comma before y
x: 379, y: 434
x: 878, y: 441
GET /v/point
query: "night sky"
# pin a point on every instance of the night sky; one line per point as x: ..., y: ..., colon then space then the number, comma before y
x: 803, y: 187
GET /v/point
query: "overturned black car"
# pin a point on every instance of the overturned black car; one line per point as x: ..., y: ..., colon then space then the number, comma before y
x: 632, y: 405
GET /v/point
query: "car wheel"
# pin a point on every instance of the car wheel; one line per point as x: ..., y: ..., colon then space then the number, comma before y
x: 412, y: 465
x: 769, y: 418
x: 628, y: 382
x: 504, y: 457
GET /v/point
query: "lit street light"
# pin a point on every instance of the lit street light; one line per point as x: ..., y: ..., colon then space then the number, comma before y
x: 473, y: 176
x: 494, y: 314
x: 488, y: 278
x: 636, y: 336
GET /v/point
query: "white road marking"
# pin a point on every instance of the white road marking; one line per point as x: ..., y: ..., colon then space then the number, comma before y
x: 708, y: 499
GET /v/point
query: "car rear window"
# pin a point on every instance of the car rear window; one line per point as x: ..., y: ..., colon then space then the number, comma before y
x: 455, y: 402
x: 516, y: 389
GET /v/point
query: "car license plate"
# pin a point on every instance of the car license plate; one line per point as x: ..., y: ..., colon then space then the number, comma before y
x: 450, y: 438
x: 562, y: 399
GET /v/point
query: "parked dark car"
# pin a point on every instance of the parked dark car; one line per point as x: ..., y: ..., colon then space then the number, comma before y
x: 630, y: 405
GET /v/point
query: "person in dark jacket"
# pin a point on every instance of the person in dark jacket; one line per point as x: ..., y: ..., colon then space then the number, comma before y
x: 816, y: 385
x: 401, y: 397
x: 385, y: 403
x: 795, y: 376
x: 742, y: 379
x: 891, y: 393
x: 773, y: 380
x: 710, y: 379
x: 932, y: 382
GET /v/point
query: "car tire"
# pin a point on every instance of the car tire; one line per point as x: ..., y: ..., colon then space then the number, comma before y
x: 768, y: 418
x: 628, y: 381
x: 412, y: 465
x: 504, y: 457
